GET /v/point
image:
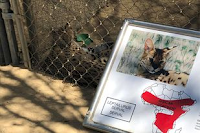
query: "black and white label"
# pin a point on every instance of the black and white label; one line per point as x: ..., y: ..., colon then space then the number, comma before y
x: 118, y: 109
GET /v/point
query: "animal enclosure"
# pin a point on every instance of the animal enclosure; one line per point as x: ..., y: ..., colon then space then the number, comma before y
x: 72, y: 39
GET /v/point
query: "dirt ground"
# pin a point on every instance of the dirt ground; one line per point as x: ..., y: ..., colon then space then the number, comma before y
x: 33, y: 103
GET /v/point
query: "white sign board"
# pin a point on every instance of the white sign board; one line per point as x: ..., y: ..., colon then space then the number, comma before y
x: 151, y: 83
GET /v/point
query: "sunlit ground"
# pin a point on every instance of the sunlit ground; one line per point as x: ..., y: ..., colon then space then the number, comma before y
x: 33, y: 103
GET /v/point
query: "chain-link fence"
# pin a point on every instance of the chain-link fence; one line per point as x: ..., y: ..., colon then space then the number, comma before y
x: 72, y: 39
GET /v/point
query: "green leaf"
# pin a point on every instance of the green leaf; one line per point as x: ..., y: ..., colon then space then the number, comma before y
x: 159, y: 39
x: 190, y: 50
x: 84, y: 38
x: 177, y: 68
x: 184, y: 47
x: 167, y: 43
x: 178, y: 61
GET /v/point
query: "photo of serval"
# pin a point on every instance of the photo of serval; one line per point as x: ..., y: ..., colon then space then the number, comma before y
x: 159, y: 57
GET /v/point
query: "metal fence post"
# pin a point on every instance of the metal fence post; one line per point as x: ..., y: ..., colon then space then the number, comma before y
x: 1, y: 50
x: 1, y: 55
x: 5, y: 51
x: 19, y: 26
x: 27, y: 9
x: 7, y: 16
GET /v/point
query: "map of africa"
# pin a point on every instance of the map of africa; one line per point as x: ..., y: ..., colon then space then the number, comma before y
x: 169, y: 106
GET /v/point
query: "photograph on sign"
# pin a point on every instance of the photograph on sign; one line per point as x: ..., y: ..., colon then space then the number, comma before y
x: 158, y: 57
x: 151, y: 82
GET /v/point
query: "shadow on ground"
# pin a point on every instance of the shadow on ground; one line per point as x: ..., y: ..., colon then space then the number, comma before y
x: 33, y: 103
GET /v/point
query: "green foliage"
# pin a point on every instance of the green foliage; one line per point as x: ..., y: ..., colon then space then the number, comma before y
x: 159, y: 39
x: 184, y: 48
x: 177, y: 68
x: 178, y: 61
x: 167, y: 43
x: 191, y: 50
x: 134, y: 36
x: 178, y: 65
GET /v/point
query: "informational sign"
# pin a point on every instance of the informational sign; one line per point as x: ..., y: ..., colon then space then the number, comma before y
x: 151, y: 83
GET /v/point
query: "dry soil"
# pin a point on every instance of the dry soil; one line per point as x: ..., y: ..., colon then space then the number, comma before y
x: 33, y: 103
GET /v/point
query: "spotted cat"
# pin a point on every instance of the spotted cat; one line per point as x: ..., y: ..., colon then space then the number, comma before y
x: 152, y: 63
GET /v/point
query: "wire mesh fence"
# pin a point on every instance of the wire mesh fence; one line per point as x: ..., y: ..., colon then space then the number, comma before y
x: 72, y: 39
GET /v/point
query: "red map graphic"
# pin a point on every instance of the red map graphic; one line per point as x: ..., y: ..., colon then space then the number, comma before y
x: 165, y: 121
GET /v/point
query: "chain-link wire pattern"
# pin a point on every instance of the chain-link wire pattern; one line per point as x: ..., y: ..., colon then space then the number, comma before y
x: 53, y: 25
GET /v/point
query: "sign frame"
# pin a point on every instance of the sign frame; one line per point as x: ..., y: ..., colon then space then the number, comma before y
x: 88, y: 122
